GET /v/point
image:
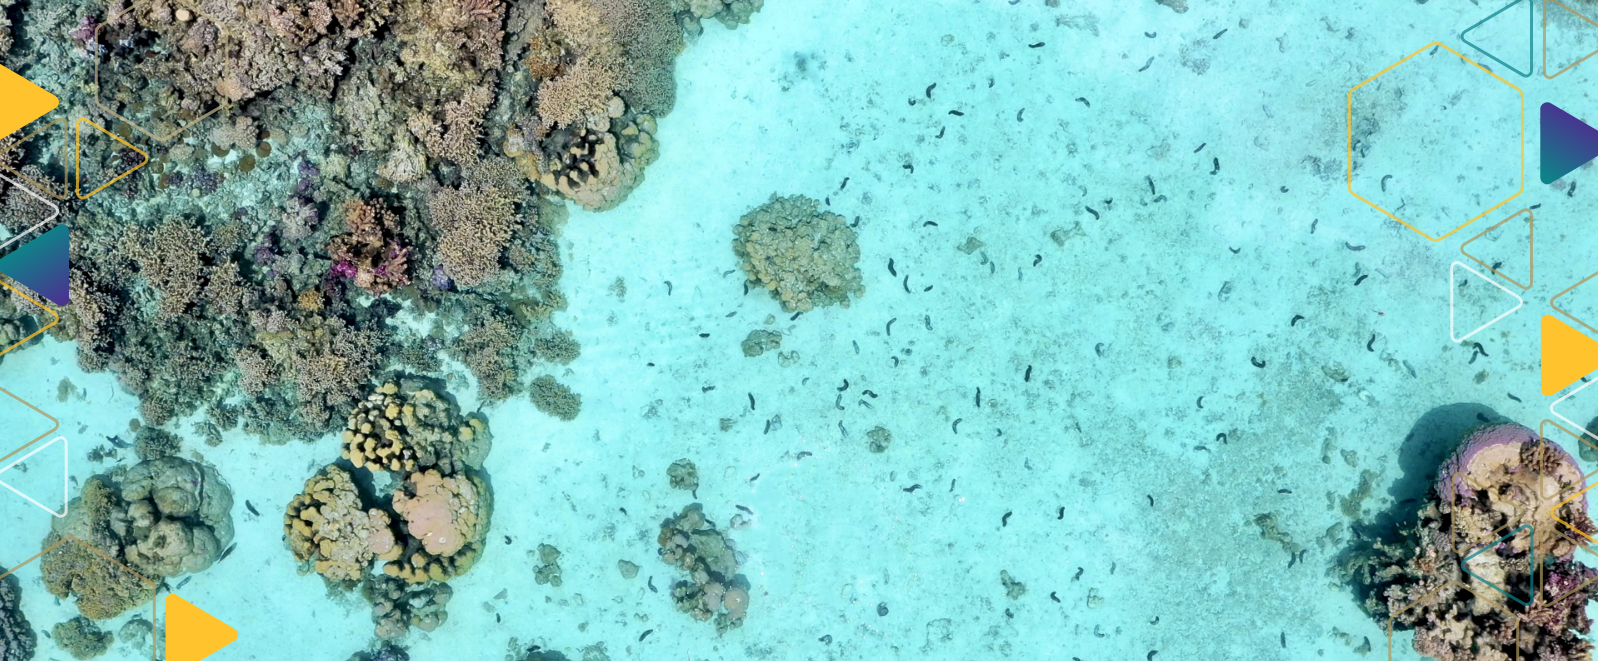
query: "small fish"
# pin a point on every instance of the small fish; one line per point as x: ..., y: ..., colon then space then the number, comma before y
x: 645, y: 634
x: 911, y: 489
x: 118, y: 442
x: 652, y: 584
x: 183, y: 583
x: 745, y: 509
x: 1284, y: 491
x: 507, y: 537
x: 1004, y: 521
x: 251, y: 507
x: 802, y: 455
x: 1078, y: 575
x: 1055, y: 597
x: 1036, y: 45
x: 227, y: 552
x: 956, y: 113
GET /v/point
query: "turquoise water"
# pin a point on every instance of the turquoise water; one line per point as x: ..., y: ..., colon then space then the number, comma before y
x: 1096, y: 272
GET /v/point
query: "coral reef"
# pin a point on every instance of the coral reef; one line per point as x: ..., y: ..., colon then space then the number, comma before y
x: 17, y: 640
x: 81, y: 638
x: 805, y: 257
x: 714, y: 588
x: 327, y: 527
x: 411, y: 428
x: 446, y: 519
x: 1507, y: 477
x: 162, y: 517
x: 555, y: 398
x: 397, y: 605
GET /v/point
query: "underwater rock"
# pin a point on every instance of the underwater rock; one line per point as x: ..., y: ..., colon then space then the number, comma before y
x: 17, y: 640
x: 397, y: 606
x: 412, y: 428
x: 714, y: 588
x: 445, y: 519
x: 1012, y: 588
x: 548, y: 570
x: 81, y: 638
x: 1178, y: 6
x: 628, y: 569
x: 327, y: 527
x: 154, y: 442
x: 760, y: 341
x: 683, y: 474
x: 1509, y: 477
x: 805, y: 257
x: 135, y: 632
x: 555, y: 399
x: 879, y: 438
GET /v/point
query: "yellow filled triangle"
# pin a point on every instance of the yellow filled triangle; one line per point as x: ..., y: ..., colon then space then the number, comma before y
x: 192, y: 634
x: 1567, y: 355
x: 21, y: 102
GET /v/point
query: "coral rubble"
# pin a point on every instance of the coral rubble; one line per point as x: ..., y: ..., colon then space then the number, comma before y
x: 714, y: 588
x: 805, y: 257
x: 1500, y: 489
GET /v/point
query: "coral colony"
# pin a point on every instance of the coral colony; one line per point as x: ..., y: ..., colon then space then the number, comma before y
x: 318, y: 185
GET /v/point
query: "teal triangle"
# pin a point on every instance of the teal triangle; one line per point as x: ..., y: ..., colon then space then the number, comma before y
x: 1500, y: 34
x: 41, y: 264
x: 1463, y: 564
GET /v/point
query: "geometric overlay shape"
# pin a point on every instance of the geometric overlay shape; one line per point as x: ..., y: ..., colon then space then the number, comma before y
x: 33, y: 210
x: 1434, y: 594
x: 123, y: 77
x: 1477, y: 307
x: 1507, y: 252
x: 32, y: 476
x: 1567, y: 355
x: 1502, y: 33
x: 1588, y: 438
x: 24, y: 423
x: 1436, y: 141
x: 1567, y: 143
x: 1569, y: 34
x: 1582, y: 303
x: 52, y: 167
x: 1557, y: 595
x: 1457, y: 486
x: 24, y: 102
x: 41, y: 264
x: 193, y: 634
x: 1525, y: 598
x: 54, y: 319
x: 112, y: 165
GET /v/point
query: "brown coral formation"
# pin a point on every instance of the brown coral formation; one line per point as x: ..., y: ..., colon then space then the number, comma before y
x: 398, y: 606
x: 446, y: 519
x: 1493, y: 497
x: 371, y: 254
x: 805, y: 257
x: 406, y: 429
x: 714, y: 588
x: 327, y: 527
x: 161, y: 517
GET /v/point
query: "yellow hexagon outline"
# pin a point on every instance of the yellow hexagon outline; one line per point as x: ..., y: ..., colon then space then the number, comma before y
x: 155, y: 588
x: 1391, y: 619
x: 224, y: 40
x: 1394, y: 65
x: 66, y: 166
x: 77, y: 158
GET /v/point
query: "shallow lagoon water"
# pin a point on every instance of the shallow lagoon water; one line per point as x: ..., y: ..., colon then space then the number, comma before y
x: 1059, y: 393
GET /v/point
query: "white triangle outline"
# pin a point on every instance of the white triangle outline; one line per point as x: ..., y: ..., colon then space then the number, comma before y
x: 1451, y: 332
x: 54, y: 211
x: 64, y: 476
x: 1568, y: 421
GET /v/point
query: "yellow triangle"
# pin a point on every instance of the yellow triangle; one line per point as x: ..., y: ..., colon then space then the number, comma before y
x: 21, y: 102
x: 192, y: 634
x: 1567, y: 355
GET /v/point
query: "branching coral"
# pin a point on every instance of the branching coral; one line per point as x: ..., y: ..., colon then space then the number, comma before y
x: 1501, y: 478
x: 327, y: 527
x: 689, y: 541
x: 372, y: 253
x: 412, y: 428
x: 475, y: 221
x: 555, y: 398
x: 446, y: 519
x: 17, y: 640
x: 803, y: 256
